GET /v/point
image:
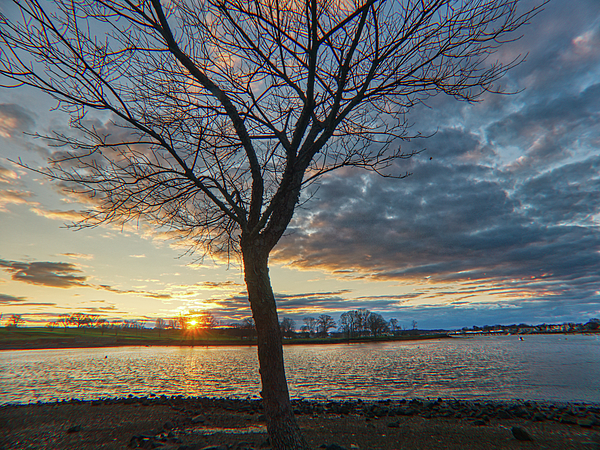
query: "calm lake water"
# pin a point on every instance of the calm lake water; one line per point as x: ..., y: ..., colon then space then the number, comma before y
x: 551, y: 367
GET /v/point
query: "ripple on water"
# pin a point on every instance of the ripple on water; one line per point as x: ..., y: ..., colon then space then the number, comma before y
x: 539, y: 368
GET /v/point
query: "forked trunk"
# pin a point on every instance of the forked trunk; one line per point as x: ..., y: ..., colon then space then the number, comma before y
x: 284, y: 432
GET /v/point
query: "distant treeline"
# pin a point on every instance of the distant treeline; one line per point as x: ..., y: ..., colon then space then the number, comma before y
x: 356, y: 323
x: 523, y: 328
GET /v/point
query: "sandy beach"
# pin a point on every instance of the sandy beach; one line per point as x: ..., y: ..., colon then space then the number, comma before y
x: 197, y: 423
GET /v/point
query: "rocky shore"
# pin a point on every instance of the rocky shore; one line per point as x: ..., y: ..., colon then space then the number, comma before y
x: 185, y: 423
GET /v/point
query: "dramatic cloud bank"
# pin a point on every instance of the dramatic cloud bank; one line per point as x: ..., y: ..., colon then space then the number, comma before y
x: 504, y: 202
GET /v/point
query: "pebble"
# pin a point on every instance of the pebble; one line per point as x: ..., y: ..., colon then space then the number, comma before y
x: 520, y: 434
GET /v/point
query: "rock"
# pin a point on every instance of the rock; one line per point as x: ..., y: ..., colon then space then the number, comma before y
x: 215, y: 447
x: 520, y: 434
x: 569, y: 419
x: 168, y: 426
x: 74, y: 429
x: 198, y: 419
x: 143, y: 441
x: 480, y: 422
x: 394, y: 424
x: 586, y: 422
x: 333, y: 447
x: 502, y: 414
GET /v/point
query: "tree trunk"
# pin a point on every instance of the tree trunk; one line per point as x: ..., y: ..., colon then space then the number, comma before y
x: 284, y: 432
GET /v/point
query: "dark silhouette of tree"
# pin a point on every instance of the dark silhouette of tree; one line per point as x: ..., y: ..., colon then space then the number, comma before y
x: 249, y: 328
x: 288, y: 327
x: 15, y: 320
x: 182, y: 321
x: 347, y: 324
x: 592, y: 324
x: 325, y: 323
x: 377, y: 324
x: 79, y: 319
x: 103, y: 324
x: 394, y: 325
x: 414, y: 324
x: 223, y: 111
x: 64, y: 320
x: 160, y: 325
x: 310, y: 323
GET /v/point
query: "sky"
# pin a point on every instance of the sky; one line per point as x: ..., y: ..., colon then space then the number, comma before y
x: 498, y: 223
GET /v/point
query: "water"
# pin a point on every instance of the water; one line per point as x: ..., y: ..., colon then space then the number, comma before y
x: 550, y: 367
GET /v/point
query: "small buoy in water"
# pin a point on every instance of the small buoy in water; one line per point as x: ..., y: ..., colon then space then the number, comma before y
x: 520, y: 338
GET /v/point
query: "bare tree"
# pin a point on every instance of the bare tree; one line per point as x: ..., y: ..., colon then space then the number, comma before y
x: 324, y: 323
x: 311, y: 325
x: 377, y: 324
x: 224, y: 110
x: 79, y: 319
x: 393, y: 324
x: 288, y: 326
x: 182, y: 321
x: 15, y: 320
x: 160, y: 325
x: 64, y: 320
x: 102, y: 324
x: 249, y: 328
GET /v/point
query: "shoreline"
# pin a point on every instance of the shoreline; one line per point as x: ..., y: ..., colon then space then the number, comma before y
x: 63, y: 343
x: 194, y: 423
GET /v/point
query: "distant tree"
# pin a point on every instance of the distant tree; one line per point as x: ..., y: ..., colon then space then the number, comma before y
x: 248, y: 327
x: 160, y: 325
x: 92, y: 320
x: 362, y: 318
x: 207, y: 320
x: 228, y: 109
x: 324, y: 323
x: 288, y: 327
x: 377, y: 324
x: 311, y: 325
x: 182, y: 321
x: 79, y: 319
x: 102, y: 324
x: 414, y: 324
x: 393, y: 325
x: 15, y: 320
x: 64, y: 320
x: 593, y: 324
x: 347, y: 323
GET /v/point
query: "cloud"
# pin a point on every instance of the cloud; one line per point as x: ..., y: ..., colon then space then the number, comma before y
x: 70, y: 216
x: 52, y: 274
x: 137, y: 256
x: 6, y: 299
x: 78, y: 255
x: 457, y: 222
x: 158, y: 295
x: 14, y: 119
x: 15, y: 197
x: 7, y: 175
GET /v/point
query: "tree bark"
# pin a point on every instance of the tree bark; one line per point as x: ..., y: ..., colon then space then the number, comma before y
x: 283, y: 430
